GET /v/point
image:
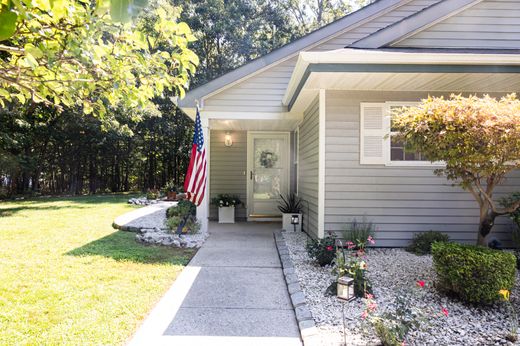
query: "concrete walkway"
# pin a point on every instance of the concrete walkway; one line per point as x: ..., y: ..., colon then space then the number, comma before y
x: 232, y: 293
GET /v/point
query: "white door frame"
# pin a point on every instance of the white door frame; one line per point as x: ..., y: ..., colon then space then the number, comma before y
x: 250, y: 164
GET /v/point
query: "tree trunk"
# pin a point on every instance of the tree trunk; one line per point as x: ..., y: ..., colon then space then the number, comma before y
x: 487, y: 220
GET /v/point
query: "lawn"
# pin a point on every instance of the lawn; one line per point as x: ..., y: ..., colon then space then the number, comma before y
x: 67, y: 277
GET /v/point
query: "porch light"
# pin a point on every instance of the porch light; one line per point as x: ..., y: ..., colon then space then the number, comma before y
x: 228, y: 141
x: 346, y: 288
x: 295, y: 220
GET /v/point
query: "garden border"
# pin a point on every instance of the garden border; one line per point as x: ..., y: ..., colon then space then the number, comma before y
x: 308, y: 331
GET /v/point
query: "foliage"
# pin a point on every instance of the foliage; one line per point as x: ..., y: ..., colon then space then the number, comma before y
x: 322, y: 250
x: 401, y: 316
x: 184, y: 215
x: 188, y: 223
x: 508, y: 202
x: 309, y: 15
x: 170, y: 187
x: 478, y: 139
x: 475, y: 274
x: 44, y: 151
x: 232, y: 32
x: 359, y: 233
x: 422, y: 242
x: 152, y: 195
x: 92, y: 284
x: 183, y: 208
x: 226, y: 200
x: 290, y: 204
x: 353, y: 265
x: 70, y: 53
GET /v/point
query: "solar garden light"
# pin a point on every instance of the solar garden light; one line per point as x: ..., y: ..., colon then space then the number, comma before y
x: 346, y: 288
x: 295, y: 220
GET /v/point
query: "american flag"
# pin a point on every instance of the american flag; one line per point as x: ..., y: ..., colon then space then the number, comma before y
x: 195, y: 183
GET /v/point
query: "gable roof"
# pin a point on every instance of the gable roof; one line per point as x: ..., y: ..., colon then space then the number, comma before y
x: 410, y: 25
x: 288, y: 50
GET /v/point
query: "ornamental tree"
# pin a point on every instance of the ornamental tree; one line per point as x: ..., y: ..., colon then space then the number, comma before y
x: 478, y: 139
x: 88, y: 53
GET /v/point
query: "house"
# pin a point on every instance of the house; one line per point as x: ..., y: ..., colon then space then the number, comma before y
x: 312, y: 117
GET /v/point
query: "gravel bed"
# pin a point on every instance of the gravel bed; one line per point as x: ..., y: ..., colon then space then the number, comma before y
x: 391, y: 271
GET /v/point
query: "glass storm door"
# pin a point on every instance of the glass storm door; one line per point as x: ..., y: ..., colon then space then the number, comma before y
x: 268, y: 168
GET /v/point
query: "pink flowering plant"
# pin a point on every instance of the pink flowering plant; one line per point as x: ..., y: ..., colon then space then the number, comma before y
x: 393, y: 324
x: 322, y: 250
x: 353, y: 265
x: 359, y: 235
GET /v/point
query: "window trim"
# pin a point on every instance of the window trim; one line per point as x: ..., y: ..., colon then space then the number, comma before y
x: 387, y: 140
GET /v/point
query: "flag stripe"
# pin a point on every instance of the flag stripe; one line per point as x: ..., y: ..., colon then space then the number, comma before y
x: 195, y: 182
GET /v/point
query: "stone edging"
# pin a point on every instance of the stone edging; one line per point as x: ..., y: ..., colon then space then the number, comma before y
x: 306, y: 324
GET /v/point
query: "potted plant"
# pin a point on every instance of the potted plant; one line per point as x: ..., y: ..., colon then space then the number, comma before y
x: 226, y: 207
x: 290, y: 206
x: 170, y: 190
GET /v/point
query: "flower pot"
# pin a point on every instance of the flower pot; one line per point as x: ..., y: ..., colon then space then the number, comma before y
x: 171, y: 195
x: 226, y: 214
x: 286, y: 222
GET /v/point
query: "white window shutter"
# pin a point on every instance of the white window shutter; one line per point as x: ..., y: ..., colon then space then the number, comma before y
x: 374, y: 128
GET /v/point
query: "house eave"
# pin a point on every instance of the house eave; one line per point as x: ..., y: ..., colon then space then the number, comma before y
x: 343, y: 64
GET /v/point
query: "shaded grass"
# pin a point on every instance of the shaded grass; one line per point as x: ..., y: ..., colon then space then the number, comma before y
x: 66, y: 277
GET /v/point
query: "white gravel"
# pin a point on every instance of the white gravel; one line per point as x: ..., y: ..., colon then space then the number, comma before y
x: 391, y: 271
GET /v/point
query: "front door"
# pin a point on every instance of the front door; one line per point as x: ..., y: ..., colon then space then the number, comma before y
x: 268, y: 173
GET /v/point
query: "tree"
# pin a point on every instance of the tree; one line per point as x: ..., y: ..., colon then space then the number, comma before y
x: 71, y: 53
x: 478, y: 139
x: 232, y: 32
x: 309, y: 15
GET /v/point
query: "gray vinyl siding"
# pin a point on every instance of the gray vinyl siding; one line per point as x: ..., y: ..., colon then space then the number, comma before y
x: 308, y: 167
x: 228, y: 166
x: 264, y: 91
x: 399, y: 200
x: 490, y: 24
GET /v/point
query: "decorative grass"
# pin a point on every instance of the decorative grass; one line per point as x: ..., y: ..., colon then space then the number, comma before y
x: 67, y: 277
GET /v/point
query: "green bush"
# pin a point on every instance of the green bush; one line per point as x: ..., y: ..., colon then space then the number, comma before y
x: 474, y: 274
x: 183, y: 208
x: 422, y: 242
x: 322, y: 250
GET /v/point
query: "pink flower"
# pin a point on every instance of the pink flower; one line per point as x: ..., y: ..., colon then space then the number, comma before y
x: 372, y: 306
x: 371, y: 240
x: 369, y: 296
x: 445, y: 311
x: 364, y: 314
x: 329, y: 248
x: 420, y: 283
x: 350, y: 245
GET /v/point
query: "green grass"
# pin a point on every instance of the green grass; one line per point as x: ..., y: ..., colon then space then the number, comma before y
x: 66, y: 277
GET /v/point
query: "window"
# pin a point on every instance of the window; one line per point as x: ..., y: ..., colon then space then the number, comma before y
x: 378, y: 144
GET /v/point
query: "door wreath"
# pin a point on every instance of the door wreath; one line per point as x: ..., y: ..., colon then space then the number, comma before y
x: 268, y: 159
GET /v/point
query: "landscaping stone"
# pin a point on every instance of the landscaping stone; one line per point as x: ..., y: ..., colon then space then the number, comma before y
x: 298, y: 298
x: 392, y: 271
x: 293, y: 288
x: 302, y: 313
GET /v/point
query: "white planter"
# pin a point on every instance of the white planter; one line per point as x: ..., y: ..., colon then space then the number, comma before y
x: 226, y: 214
x: 286, y: 222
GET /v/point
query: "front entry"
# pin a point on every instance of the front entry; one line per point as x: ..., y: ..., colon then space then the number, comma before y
x: 268, y: 173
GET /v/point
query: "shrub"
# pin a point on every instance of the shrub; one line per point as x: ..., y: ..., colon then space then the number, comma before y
x: 183, y: 208
x: 322, y: 250
x: 422, y: 242
x: 189, y: 224
x: 152, y: 194
x: 358, y: 232
x: 475, y: 274
x: 290, y: 204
